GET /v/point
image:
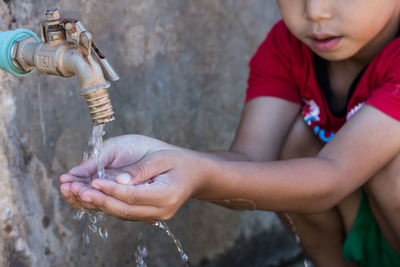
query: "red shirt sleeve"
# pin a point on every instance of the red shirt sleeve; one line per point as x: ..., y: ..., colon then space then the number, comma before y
x: 270, y: 67
x: 386, y: 96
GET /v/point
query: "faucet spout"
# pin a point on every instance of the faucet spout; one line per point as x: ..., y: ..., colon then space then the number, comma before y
x: 93, y: 84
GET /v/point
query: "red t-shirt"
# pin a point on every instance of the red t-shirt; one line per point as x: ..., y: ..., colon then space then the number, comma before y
x: 284, y: 67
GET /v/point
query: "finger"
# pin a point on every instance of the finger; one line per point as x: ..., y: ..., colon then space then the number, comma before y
x: 130, y: 193
x: 157, y: 193
x: 85, y: 169
x: 120, y: 209
x: 67, y: 178
x: 150, y: 166
x: 124, y: 178
x: 67, y: 194
x: 129, y: 149
x: 77, y: 190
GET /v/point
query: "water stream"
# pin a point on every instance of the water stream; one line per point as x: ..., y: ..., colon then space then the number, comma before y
x: 96, y: 145
x: 294, y: 231
x: 140, y: 253
x: 306, y: 262
x: 96, y: 220
x: 164, y: 226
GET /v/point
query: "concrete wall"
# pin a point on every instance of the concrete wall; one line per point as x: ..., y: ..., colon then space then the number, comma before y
x: 183, y: 68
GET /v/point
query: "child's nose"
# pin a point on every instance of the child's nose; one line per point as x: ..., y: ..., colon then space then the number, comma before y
x: 318, y: 10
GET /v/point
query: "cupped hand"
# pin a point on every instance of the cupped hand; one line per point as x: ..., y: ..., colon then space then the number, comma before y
x: 152, y: 189
x: 151, y: 180
x: 118, y: 152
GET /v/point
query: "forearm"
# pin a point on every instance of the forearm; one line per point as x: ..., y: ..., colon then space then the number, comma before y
x: 226, y: 155
x: 238, y: 203
x: 239, y: 155
x: 301, y: 185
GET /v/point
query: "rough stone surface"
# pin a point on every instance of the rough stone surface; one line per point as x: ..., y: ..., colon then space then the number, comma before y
x: 183, y: 68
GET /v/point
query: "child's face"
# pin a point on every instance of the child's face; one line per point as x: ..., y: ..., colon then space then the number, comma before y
x: 341, y: 29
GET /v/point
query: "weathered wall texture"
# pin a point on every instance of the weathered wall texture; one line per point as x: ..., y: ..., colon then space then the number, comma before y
x: 183, y: 68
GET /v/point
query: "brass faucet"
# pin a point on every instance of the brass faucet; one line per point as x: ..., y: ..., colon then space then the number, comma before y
x: 55, y: 55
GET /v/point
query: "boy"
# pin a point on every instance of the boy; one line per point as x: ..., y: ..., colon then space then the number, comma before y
x: 324, y: 99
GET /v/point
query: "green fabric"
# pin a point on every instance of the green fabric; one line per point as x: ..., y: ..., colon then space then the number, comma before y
x: 366, y: 244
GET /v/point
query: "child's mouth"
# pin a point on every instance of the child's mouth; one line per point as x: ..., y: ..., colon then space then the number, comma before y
x: 325, y: 43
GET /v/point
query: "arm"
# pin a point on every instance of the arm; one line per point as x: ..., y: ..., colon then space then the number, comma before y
x: 259, y: 137
x: 362, y: 147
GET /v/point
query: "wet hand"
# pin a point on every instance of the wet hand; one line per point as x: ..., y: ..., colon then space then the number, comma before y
x: 152, y: 189
x: 118, y: 152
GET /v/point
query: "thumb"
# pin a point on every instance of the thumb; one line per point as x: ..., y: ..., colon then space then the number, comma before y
x: 85, y: 169
x: 152, y: 165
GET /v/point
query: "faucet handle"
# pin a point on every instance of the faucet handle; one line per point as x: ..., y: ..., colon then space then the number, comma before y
x: 77, y: 32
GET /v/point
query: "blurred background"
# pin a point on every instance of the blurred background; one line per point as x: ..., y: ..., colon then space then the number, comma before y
x: 183, y: 66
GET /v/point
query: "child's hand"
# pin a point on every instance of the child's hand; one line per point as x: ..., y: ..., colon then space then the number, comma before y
x: 152, y: 180
x: 118, y: 152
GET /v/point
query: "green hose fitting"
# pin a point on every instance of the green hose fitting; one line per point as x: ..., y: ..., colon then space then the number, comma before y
x: 7, y: 40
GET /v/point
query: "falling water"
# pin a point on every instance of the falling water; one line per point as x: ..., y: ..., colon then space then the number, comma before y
x: 96, y: 220
x: 163, y: 225
x: 306, y: 262
x: 294, y: 231
x: 96, y: 145
x: 140, y: 253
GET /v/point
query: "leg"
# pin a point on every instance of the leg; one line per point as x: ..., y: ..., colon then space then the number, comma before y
x: 322, y: 234
x: 383, y: 193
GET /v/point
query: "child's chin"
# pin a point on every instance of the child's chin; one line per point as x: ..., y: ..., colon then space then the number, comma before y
x: 334, y: 55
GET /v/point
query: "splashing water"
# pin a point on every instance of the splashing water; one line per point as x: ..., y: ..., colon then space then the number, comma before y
x: 163, y: 225
x: 140, y: 253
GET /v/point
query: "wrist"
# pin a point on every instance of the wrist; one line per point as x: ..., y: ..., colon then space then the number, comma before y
x: 206, y: 166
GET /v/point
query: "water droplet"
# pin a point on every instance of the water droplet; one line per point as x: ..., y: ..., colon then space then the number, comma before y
x: 103, y: 233
x: 185, y: 258
x: 79, y: 215
x: 307, y: 263
x: 92, y: 218
x: 100, y: 217
x: 86, y: 238
x: 140, y: 254
x: 93, y: 228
